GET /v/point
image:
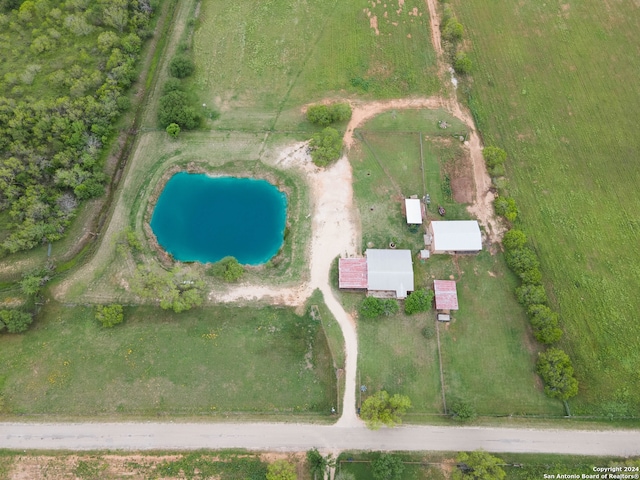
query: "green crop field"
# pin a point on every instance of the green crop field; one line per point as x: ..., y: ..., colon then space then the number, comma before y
x: 487, y: 352
x: 555, y: 86
x: 214, y: 361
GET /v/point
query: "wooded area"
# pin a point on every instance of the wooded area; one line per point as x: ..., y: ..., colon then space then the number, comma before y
x: 64, y: 70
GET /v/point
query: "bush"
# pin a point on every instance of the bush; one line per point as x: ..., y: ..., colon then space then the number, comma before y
x: 387, y: 467
x: 418, y: 301
x: 173, y: 129
x: 452, y: 30
x: 544, y: 323
x: 228, y: 269
x: 174, y: 108
x: 462, y: 63
x: 514, y: 239
x: 340, y: 112
x: 15, y: 321
x: 429, y: 331
x: 462, y: 411
x: 109, y: 315
x: 319, y: 115
x: 371, y: 307
x: 494, y: 156
x: 281, y: 470
x: 506, y: 207
x: 172, y: 85
x: 556, y: 370
x: 381, y: 409
x: 326, y: 147
x: 528, y: 294
x: 181, y: 66
x: 522, y: 260
x: 532, y: 276
x: 390, y: 306
x: 325, y: 115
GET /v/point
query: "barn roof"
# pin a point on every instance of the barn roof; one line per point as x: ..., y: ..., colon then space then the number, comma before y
x: 352, y: 272
x: 456, y: 236
x: 414, y: 211
x: 390, y: 270
x: 446, y: 294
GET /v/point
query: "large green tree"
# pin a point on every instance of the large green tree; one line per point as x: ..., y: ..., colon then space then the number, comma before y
x: 479, y: 465
x: 419, y: 301
x: 382, y: 409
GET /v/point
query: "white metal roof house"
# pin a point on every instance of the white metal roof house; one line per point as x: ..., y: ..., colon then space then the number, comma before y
x: 389, y: 272
x: 414, y: 211
x: 455, y: 236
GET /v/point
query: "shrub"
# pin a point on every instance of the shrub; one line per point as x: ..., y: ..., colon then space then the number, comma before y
x: 326, y: 147
x: 181, y: 66
x: 319, y: 115
x: 390, y: 306
x: 494, y: 156
x: 174, y: 108
x: 340, y: 112
x: 325, y: 115
x: 506, y: 207
x: 514, y: 239
x: 522, y: 260
x: 418, y: 301
x: 528, y: 294
x: 173, y: 129
x: 462, y: 63
x: 556, y: 370
x: 387, y: 467
x: 172, y: 85
x: 109, y: 315
x: 452, y: 30
x: 281, y: 470
x: 463, y: 411
x: 544, y: 323
x: 429, y: 331
x: 381, y: 409
x: 479, y: 465
x: 532, y: 276
x: 228, y: 269
x: 15, y: 321
x: 371, y: 307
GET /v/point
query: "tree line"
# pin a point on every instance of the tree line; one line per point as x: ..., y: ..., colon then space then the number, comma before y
x: 67, y: 66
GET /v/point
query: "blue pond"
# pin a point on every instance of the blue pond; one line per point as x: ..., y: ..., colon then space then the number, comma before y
x: 204, y: 219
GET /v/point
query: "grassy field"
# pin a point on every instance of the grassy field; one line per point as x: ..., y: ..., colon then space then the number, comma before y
x: 488, y: 356
x: 158, y: 363
x: 552, y: 86
x: 256, y: 62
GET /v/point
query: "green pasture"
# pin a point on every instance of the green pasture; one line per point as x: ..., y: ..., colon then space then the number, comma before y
x: 554, y: 86
x: 215, y: 361
x: 487, y: 351
x: 253, y: 61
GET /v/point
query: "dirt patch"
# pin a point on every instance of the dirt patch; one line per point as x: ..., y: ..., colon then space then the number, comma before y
x: 463, y: 189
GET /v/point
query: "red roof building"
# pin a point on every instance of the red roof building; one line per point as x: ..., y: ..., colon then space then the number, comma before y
x: 446, y: 294
x: 353, y: 273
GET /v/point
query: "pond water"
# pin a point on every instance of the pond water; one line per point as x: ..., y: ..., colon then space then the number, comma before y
x: 199, y: 218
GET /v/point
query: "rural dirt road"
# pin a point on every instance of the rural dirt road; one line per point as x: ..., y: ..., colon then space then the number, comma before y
x: 299, y: 437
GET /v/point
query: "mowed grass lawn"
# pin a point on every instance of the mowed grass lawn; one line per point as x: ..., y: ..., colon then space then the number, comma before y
x: 255, y: 60
x: 209, y: 361
x: 488, y: 355
x: 555, y: 86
